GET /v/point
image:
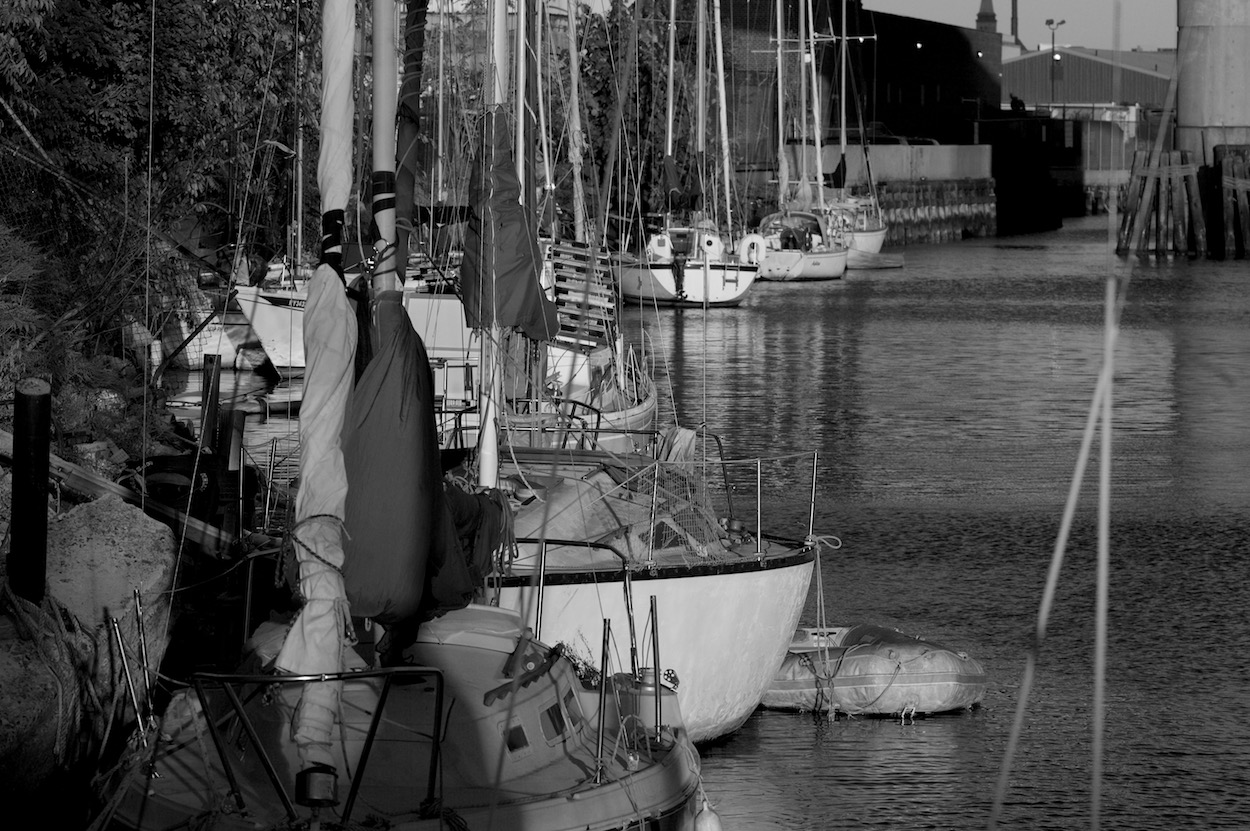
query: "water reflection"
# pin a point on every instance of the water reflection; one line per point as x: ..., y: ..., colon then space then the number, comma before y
x: 948, y: 401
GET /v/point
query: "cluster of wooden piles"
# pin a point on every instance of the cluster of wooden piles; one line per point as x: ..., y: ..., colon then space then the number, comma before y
x: 1233, y: 163
x: 1163, y: 207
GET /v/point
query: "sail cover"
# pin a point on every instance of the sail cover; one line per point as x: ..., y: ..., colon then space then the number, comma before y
x: 395, y: 507
x: 499, y: 275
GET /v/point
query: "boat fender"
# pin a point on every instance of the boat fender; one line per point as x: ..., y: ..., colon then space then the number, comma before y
x: 707, y: 819
x: 713, y: 248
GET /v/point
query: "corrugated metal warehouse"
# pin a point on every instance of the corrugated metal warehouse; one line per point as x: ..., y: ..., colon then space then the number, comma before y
x: 1087, y: 76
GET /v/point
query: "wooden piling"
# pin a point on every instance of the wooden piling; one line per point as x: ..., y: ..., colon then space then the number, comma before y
x: 1197, y: 222
x: 1132, y: 202
x: 1241, y: 174
x: 27, y: 560
x: 1163, y: 209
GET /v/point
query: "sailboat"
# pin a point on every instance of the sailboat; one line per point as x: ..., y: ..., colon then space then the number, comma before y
x: 800, y: 245
x: 595, y: 528
x: 468, y: 722
x: 692, y: 263
x: 594, y: 531
x: 858, y: 217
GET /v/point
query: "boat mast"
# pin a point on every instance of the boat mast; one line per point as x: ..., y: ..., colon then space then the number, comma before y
x: 299, y: 152
x: 576, y: 139
x: 783, y: 164
x: 700, y: 133
x: 439, y: 164
x: 723, y: 117
x: 818, y: 134
x: 385, y: 93
x: 521, y: 73
x: 842, y: 100
x: 548, y: 203
x: 668, y: 121
x: 803, y: 133
x: 492, y: 344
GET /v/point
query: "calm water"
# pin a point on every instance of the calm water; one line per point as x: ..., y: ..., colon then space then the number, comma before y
x: 947, y: 401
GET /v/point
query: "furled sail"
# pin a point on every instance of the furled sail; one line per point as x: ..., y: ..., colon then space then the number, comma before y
x: 317, y: 636
x: 499, y: 276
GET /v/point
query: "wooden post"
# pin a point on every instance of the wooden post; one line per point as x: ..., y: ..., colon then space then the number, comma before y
x: 1180, y: 224
x: 27, y: 561
x: 1165, y: 204
x: 1243, y: 203
x: 1132, y: 201
x: 1196, y: 218
x: 1229, y: 192
x: 1153, y: 168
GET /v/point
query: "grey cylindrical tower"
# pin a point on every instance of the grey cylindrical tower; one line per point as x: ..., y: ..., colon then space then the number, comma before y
x: 1213, y: 57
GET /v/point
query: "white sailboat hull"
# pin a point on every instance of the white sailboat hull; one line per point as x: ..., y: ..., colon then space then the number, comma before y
x: 724, y: 628
x: 277, y: 318
x: 704, y: 282
x: 865, y: 241
x: 786, y: 265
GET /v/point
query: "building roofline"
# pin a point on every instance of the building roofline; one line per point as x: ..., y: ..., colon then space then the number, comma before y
x: 1078, y: 52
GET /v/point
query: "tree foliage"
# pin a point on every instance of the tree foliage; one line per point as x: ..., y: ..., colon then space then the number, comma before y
x: 192, y: 93
x: 123, y: 119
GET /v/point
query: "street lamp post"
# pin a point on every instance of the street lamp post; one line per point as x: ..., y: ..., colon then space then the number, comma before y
x: 1053, y: 24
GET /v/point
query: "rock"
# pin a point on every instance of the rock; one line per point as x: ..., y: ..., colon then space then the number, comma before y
x: 69, y: 677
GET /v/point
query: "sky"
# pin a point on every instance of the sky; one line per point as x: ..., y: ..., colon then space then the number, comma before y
x: 1148, y: 24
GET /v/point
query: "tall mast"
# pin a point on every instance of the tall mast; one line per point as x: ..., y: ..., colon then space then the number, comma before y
x: 672, y: 47
x: 783, y: 164
x: 576, y: 140
x: 298, y: 254
x: 385, y: 92
x: 842, y: 94
x: 723, y: 116
x: 548, y: 202
x: 669, y: 106
x: 521, y: 73
x: 818, y: 134
x: 492, y: 343
x: 439, y: 164
x: 700, y: 133
x: 803, y: 133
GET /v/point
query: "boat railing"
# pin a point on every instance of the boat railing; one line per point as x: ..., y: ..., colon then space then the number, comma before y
x: 231, y: 684
x: 718, y: 485
x: 541, y: 582
x: 578, y: 426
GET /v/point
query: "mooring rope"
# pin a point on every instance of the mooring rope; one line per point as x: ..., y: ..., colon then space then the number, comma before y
x: 66, y: 650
